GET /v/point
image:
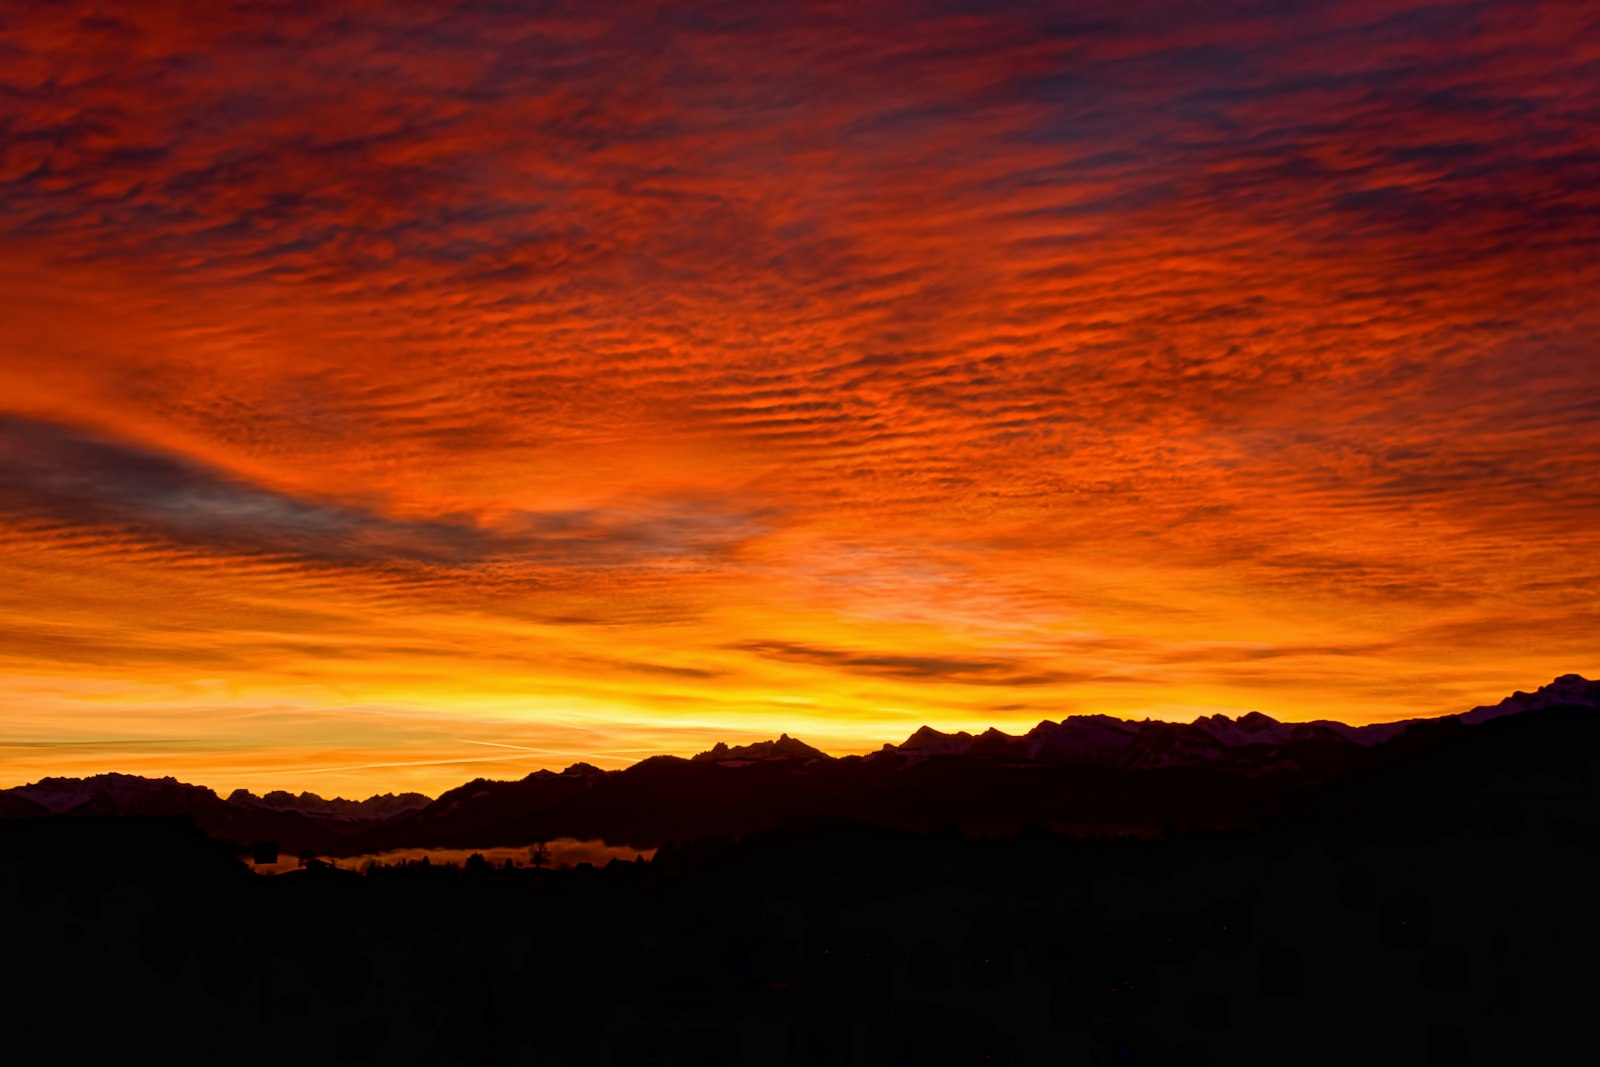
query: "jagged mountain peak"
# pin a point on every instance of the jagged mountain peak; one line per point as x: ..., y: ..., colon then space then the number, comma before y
x: 1250, y: 720
x: 927, y: 735
x: 1099, y: 719
x: 383, y: 806
x: 1566, y: 689
x: 112, y: 788
x: 785, y: 747
x: 1251, y: 739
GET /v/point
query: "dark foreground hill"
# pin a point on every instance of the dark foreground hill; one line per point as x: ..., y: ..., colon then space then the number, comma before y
x: 1433, y: 906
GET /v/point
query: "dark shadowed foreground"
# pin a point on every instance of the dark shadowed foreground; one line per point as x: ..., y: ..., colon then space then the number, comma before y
x: 1432, y: 909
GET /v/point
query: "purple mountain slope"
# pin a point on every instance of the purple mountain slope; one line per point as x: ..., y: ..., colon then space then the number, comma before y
x: 337, y: 809
x: 1569, y: 689
x: 244, y: 819
x: 785, y: 747
x: 105, y: 793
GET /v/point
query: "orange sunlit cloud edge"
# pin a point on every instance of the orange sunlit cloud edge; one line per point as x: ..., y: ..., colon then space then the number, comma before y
x: 613, y: 382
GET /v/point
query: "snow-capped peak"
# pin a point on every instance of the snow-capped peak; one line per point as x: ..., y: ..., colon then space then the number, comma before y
x: 1569, y: 689
x: 64, y: 794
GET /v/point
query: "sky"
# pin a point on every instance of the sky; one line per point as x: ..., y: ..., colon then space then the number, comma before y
x: 393, y: 394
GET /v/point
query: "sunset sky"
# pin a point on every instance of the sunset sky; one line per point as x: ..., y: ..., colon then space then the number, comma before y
x: 398, y: 393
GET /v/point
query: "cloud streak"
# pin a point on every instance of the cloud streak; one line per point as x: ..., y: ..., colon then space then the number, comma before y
x: 910, y: 668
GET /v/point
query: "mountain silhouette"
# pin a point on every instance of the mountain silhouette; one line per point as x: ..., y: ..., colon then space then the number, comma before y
x: 385, y: 806
x: 1083, y: 774
x: 1118, y: 892
x: 785, y: 747
x: 304, y: 822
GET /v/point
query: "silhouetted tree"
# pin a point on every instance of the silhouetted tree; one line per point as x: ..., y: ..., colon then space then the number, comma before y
x: 539, y: 854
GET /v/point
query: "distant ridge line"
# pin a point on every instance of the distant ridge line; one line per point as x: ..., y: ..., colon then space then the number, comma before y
x: 1102, y: 739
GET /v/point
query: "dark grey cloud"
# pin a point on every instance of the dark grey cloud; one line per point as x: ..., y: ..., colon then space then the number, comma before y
x: 60, y: 476
x: 64, y: 475
x: 663, y: 669
x: 964, y: 670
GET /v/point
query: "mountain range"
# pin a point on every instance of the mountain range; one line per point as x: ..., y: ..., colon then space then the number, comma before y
x: 1088, y: 773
